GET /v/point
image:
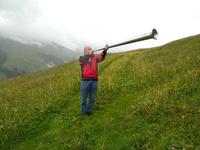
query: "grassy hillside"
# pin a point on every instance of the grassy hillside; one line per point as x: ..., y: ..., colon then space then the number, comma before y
x: 147, y: 99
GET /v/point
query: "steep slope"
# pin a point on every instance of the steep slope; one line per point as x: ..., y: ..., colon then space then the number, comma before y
x: 147, y: 99
x: 17, y: 58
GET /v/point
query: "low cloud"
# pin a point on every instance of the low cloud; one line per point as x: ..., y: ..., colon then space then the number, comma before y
x: 76, y: 24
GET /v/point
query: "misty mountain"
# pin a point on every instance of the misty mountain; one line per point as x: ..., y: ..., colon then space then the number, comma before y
x: 21, y: 57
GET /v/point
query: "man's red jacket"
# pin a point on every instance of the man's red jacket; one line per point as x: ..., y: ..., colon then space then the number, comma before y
x: 89, y: 65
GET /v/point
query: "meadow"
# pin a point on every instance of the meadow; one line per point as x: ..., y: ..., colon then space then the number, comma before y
x: 146, y: 99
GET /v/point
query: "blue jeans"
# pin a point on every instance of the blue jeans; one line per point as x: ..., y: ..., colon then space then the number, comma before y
x: 88, y: 88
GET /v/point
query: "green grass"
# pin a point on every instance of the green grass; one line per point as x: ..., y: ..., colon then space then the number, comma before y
x: 147, y: 99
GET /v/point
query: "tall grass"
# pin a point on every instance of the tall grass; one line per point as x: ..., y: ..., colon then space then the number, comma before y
x: 147, y: 99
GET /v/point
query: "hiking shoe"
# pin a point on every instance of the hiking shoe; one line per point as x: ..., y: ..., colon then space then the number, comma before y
x: 89, y: 114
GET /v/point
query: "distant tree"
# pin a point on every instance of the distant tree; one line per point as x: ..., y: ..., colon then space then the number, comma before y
x: 15, y: 72
x: 7, y: 72
x: 10, y: 73
x: 23, y: 72
x: 3, y: 57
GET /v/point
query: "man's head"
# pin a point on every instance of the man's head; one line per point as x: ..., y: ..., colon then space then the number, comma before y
x: 88, y: 50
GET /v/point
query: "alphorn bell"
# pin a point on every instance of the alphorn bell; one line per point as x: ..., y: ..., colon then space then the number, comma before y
x: 151, y: 35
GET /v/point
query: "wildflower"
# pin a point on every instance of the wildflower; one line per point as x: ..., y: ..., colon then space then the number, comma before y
x: 183, y: 116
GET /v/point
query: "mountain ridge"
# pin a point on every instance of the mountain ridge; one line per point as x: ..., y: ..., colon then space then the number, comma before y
x: 30, y: 56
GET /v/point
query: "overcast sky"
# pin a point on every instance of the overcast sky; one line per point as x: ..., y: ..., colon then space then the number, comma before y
x: 78, y: 23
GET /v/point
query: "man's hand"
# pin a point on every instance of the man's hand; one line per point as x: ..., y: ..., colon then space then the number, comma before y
x: 106, y: 47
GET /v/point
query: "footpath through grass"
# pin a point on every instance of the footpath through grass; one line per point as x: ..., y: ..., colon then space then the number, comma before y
x: 147, y: 99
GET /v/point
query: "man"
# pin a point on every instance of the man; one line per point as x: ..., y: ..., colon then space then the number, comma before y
x: 89, y: 81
